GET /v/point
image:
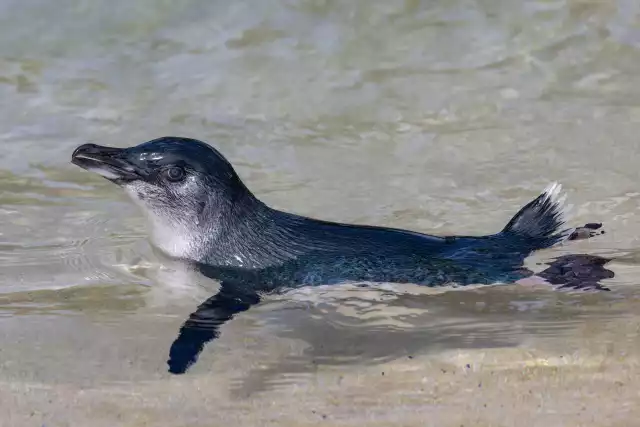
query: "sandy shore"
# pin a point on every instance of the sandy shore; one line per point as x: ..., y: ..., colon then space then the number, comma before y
x: 85, y: 373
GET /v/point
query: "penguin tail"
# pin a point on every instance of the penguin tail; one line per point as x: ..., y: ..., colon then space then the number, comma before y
x: 542, y: 221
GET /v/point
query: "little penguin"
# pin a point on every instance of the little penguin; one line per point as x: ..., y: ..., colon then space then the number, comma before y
x: 201, y: 212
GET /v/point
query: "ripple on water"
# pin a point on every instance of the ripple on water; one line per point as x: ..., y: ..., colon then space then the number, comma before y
x: 50, y: 240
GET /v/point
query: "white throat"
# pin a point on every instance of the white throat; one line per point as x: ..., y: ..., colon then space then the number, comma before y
x: 176, y: 237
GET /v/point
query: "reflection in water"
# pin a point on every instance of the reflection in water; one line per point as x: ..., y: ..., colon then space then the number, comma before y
x: 582, y: 272
x: 449, y: 323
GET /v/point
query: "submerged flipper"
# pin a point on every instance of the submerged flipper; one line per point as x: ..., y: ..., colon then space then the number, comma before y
x: 203, y: 325
x: 582, y: 272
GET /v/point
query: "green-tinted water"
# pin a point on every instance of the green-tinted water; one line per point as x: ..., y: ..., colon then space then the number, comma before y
x: 439, y: 116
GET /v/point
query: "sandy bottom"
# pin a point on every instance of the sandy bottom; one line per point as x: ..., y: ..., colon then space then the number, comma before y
x: 480, y: 389
x: 84, y: 373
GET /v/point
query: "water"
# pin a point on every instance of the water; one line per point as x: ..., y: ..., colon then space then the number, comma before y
x: 438, y: 116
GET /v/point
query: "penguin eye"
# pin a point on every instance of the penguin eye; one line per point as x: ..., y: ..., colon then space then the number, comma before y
x: 174, y: 174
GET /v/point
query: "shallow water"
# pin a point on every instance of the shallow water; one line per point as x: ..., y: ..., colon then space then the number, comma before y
x: 437, y: 116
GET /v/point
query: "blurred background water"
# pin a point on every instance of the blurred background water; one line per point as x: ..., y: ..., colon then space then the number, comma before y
x: 438, y: 116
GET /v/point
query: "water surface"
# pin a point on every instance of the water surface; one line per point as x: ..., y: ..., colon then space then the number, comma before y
x: 437, y: 116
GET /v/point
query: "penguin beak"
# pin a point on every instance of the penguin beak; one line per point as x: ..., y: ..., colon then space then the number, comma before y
x: 109, y: 162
